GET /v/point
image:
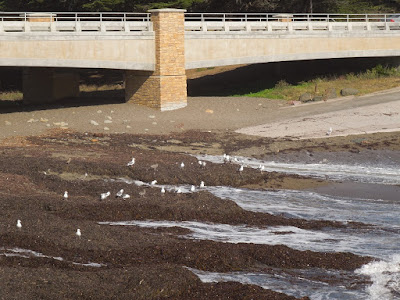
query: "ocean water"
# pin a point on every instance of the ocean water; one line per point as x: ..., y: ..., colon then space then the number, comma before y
x: 380, y: 238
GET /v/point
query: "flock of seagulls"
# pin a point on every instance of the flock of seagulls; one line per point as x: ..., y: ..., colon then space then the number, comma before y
x: 121, y: 193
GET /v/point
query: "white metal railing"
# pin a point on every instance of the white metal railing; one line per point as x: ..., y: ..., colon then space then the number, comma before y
x: 204, y: 22
x: 74, y: 22
x: 270, y: 22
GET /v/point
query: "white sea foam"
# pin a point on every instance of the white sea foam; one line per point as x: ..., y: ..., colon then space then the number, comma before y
x: 297, y: 283
x: 362, y: 242
x: 385, y: 276
x: 357, y: 173
x: 26, y: 253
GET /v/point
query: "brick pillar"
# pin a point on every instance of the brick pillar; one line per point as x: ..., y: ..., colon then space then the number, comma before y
x: 165, y: 88
x: 45, y: 85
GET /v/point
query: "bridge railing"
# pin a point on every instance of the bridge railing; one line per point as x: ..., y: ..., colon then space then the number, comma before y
x: 74, y: 22
x: 290, y: 22
x: 204, y: 22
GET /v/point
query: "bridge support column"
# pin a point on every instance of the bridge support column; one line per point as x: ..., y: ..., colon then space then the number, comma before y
x: 44, y: 85
x: 165, y: 88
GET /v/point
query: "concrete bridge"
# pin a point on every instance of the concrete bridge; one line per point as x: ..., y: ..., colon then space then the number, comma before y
x: 156, y: 48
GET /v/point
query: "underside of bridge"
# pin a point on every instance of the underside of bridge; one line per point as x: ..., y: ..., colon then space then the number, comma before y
x: 154, y: 61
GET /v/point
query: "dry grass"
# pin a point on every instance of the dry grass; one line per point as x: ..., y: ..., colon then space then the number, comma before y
x: 104, y: 87
x: 376, y: 79
x: 11, y: 96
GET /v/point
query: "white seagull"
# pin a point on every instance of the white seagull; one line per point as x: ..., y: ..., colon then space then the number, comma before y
x: 329, y: 132
x: 65, y: 195
x: 131, y: 163
x: 162, y: 190
x: 78, y: 232
x: 104, y: 195
x: 126, y: 196
x: 182, y: 165
x: 153, y: 182
x: 261, y: 168
x: 200, y: 162
x: 202, y: 184
x: 192, y: 188
x: 120, y: 193
x: 227, y: 158
x: 241, y: 168
x: 203, y: 164
x: 19, y: 225
x: 179, y: 191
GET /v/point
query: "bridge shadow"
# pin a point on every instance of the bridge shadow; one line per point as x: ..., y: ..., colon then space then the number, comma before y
x: 254, y: 78
x: 98, y: 87
x: 85, y: 99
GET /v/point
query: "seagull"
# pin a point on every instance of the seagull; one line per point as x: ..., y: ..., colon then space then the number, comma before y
x: 78, y: 232
x: 65, y: 195
x: 227, y: 158
x: 261, y: 168
x: 104, y: 195
x: 182, y: 165
x: 202, y: 184
x: 179, y: 191
x: 120, y: 193
x: 192, y: 188
x: 131, y: 163
x: 126, y: 196
x: 203, y: 164
x: 153, y: 182
x: 241, y: 168
x: 329, y: 132
x: 200, y: 163
x: 162, y: 190
x: 142, y: 193
x: 19, y: 225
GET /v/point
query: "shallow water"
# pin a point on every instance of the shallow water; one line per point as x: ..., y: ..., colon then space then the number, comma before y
x: 365, y: 173
x: 379, y: 240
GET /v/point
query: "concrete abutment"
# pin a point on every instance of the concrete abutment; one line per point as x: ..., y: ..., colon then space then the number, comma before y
x: 46, y: 85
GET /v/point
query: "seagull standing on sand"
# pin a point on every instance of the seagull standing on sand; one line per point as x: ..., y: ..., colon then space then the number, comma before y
x: 329, y: 132
x: 261, y: 168
x: 153, y: 182
x: 104, y: 196
x: 162, y: 190
x: 19, y: 225
x: 126, y: 196
x: 179, y: 191
x: 192, y: 188
x: 202, y: 184
x: 241, y: 169
x: 120, y: 193
x: 78, y: 232
x: 142, y: 193
x: 65, y: 195
x: 182, y: 165
x: 131, y: 163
